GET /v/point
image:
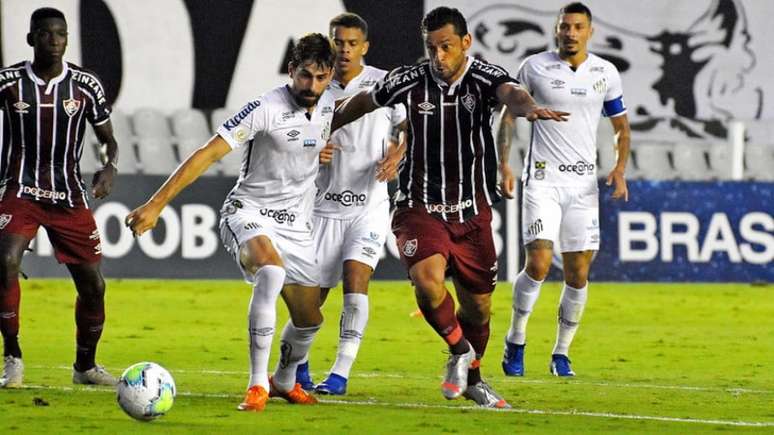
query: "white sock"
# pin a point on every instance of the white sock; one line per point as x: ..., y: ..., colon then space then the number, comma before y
x: 261, y: 318
x: 354, y: 318
x: 295, y: 345
x: 570, y: 312
x: 525, y: 293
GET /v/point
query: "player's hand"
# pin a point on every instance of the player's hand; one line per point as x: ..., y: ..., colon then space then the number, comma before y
x: 326, y: 154
x: 545, y: 113
x: 617, y: 179
x: 102, y: 183
x: 387, y: 168
x: 143, y: 218
x: 507, y: 181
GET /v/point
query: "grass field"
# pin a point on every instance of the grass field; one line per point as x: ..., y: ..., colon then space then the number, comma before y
x: 650, y: 358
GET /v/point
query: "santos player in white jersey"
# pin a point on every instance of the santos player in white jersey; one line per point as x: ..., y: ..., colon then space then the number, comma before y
x: 266, y: 218
x: 560, y: 197
x: 352, y: 213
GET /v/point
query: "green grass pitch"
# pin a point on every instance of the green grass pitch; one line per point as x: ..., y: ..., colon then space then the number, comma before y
x: 650, y: 358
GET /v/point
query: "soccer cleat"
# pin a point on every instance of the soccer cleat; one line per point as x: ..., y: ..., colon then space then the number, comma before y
x: 456, y: 380
x: 296, y: 396
x: 304, y: 378
x: 255, y: 399
x: 334, y: 384
x: 94, y: 376
x: 513, y: 359
x: 13, y: 372
x: 485, y: 396
x: 560, y: 365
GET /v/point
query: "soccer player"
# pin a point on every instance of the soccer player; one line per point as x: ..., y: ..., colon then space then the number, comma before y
x: 46, y: 105
x: 266, y: 219
x: 560, y: 194
x: 352, y: 209
x: 447, y: 186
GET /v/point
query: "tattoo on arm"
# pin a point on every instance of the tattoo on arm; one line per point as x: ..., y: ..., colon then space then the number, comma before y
x: 540, y: 244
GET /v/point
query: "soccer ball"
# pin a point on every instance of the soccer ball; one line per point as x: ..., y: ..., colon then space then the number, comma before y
x: 146, y: 391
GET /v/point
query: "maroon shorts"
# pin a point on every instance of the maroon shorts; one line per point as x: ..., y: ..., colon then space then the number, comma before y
x: 468, y: 247
x: 72, y: 231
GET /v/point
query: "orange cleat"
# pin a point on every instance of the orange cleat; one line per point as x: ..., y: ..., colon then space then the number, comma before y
x: 255, y: 399
x: 296, y: 396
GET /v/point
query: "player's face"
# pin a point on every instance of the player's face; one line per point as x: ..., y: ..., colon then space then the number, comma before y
x: 573, y: 32
x: 351, y: 46
x: 309, y: 82
x: 446, y: 51
x: 49, y: 39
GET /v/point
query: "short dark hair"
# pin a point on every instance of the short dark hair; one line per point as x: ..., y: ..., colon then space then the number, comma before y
x: 575, y: 8
x: 313, y: 47
x: 442, y: 16
x: 349, y: 20
x: 42, y: 13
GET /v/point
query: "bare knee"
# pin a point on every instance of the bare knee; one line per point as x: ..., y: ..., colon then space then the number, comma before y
x: 576, y: 278
x: 428, y: 277
x: 476, y: 309
x: 356, y: 277
x: 539, y: 257
x: 10, y: 264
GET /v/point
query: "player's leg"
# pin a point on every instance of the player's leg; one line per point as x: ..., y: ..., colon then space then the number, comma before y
x: 303, y: 304
x: 12, y: 247
x: 579, y: 239
x: 89, y: 321
x: 540, y: 225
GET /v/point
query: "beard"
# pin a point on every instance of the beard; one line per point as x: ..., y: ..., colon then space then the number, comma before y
x: 306, y: 98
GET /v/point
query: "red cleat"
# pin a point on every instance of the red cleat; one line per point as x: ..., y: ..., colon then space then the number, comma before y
x: 255, y: 399
x: 296, y: 396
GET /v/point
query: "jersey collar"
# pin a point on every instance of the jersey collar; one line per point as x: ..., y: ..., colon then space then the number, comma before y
x: 582, y: 65
x: 452, y: 87
x: 355, y: 79
x: 41, y: 82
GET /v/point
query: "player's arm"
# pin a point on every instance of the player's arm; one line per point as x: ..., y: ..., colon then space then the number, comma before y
x: 352, y: 108
x: 521, y: 103
x: 144, y: 218
x: 504, y: 140
x: 387, y: 168
x: 102, y: 183
x: 616, y: 177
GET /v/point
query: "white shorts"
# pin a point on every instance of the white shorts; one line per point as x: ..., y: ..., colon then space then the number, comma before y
x: 360, y: 239
x: 566, y: 216
x: 289, y: 232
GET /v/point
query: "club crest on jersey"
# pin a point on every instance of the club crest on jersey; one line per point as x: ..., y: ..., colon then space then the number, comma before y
x: 410, y: 248
x: 600, y: 86
x: 71, y: 106
x: 21, y: 107
x: 469, y: 101
x: 5, y: 219
x: 426, y: 108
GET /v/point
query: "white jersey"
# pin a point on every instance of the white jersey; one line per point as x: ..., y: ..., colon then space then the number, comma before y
x: 347, y: 187
x: 280, y: 151
x: 565, y: 153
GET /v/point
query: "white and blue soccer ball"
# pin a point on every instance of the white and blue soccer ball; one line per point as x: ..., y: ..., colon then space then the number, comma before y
x: 146, y: 391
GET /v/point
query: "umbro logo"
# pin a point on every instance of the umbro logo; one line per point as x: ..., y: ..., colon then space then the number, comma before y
x: 293, y: 135
x: 21, y: 107
x: 557, y: 84
x: 426, y: 108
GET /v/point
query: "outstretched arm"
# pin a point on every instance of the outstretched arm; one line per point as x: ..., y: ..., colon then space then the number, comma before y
x: 623, y: 139
x: 144, y: 217
x: 521, y: 103
x: 102, y: 183
x: 352, y: 108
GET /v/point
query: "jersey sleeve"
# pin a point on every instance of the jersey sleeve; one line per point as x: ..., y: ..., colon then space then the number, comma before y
x: 397, y: 114
x: 522, y: 76
x: 492, y: 76
x: 614, y: 103
x: 392, y: 87
x: 245, y: 124
x: 99, y: 112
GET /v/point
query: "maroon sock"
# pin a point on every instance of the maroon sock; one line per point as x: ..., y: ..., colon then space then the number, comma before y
x: 9, y: 318
x: 443, y: 320
x: 478, y: 337
x: 89, y: 322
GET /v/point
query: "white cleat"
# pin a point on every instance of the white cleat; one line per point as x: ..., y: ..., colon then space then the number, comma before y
x: 456, y: 380
x: 13, y: 372
x: 485, y: 396
x: 94, y: 376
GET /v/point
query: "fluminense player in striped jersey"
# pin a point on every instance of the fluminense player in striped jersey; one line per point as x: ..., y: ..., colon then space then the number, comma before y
x: 560, y: 194
x: 447, y: 186
x: 46, y: 105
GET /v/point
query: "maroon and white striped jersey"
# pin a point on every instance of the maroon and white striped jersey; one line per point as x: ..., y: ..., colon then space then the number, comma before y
x: 451, y: 159
x: 44, y: 124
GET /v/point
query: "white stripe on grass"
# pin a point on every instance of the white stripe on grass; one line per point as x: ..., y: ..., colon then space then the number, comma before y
x: 409, y: 405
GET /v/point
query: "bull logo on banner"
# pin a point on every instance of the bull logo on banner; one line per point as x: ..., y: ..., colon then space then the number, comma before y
x: 682, y: 80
